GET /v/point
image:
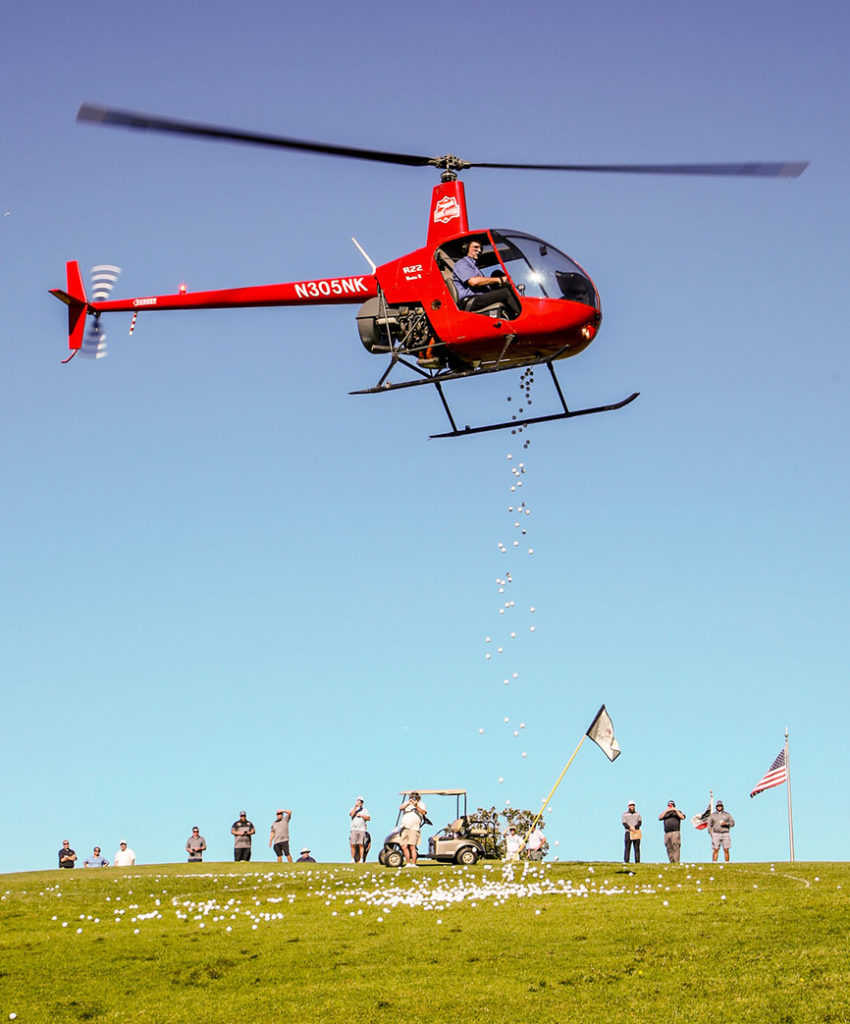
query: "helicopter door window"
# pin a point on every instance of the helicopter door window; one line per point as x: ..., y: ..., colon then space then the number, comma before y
x: 475, y: 278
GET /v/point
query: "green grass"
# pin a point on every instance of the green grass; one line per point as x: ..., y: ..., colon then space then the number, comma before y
x: 659, y: 945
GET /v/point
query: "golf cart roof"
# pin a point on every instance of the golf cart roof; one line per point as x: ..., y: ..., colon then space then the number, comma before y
x: 434, y: 792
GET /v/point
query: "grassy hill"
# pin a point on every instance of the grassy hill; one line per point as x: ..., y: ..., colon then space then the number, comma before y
x: 345, y: 943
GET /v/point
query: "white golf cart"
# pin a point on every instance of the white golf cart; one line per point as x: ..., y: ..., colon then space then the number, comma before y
x: 462, y: 841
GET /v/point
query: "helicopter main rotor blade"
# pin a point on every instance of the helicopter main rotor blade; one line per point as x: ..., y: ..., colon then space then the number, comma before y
x: 782, y: 169
x: 151, y: 122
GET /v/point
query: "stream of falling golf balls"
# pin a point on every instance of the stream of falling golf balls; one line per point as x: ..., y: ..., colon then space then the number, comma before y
x: 502, y: 646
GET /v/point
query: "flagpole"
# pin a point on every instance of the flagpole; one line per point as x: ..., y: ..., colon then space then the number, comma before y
x: 548, y: 798
x: 788, y: 783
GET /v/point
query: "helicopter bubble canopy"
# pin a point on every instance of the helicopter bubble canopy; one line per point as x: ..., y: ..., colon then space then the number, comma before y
x: 537, y: 269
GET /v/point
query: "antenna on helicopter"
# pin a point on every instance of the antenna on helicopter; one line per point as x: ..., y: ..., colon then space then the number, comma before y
x: 365, y: 255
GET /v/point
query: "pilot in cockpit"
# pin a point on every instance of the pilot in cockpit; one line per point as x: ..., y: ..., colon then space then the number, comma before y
x: 475, y: 290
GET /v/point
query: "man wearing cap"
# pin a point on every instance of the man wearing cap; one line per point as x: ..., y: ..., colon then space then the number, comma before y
x: 124, y: 858
x: 195, y: 846
x: 413, y: 812
x: 357, y: 835
x: 305, y: 857
x: 513, y: 843
x: 242, y: 830
x: 672, y: 818
x: 279, y: 836
x: 719, y: 823
x: 631, y: 823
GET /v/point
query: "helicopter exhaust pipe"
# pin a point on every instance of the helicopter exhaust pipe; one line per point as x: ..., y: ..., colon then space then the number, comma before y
x: 77, y: 303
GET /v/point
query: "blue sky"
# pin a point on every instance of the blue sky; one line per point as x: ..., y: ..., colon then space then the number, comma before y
x: 228, y: 584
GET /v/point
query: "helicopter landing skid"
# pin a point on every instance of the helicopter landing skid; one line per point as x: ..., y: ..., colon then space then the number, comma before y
x: 438, y: 379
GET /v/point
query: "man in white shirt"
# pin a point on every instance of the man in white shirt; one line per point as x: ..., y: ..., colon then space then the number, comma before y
x: 536, y: 842
x: 413, y: 814
x: 124, y: 858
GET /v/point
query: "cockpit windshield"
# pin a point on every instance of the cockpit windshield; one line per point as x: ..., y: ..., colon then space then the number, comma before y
x: 541, y: 271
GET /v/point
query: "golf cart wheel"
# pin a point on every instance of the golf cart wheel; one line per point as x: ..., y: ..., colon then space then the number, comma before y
x: 468, y: 855
x: 393, y: 858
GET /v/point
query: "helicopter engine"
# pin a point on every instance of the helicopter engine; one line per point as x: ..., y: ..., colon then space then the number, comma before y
x: 402, y: 329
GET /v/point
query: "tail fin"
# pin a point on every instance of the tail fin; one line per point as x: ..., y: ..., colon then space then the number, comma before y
x: 77, y: 303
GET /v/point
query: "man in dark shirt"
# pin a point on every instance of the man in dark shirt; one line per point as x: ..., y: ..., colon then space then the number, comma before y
x: 242, y: 829
x: 66, y: 855
x: 672, y: 818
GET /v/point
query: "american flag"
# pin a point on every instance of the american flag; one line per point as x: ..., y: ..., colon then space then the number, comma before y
x: 776, y: 775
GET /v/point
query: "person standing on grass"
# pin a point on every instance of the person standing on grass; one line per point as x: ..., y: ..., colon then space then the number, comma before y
x: 96, y: 860
x: 719, y: 824
x: 279, y: 836
x: 632, y: 823
x: 124, y: 856
x: 513, y: 843
x: 672, y: 818
x: 357, y: 836
x: 413, y: 814
x: 536, y: 843
x: 195, y: 846
x: 67, y: 857
x: 242, y: 830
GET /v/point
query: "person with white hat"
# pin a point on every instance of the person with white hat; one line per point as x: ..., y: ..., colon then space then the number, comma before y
x: 357, y: 836
x: 124, y: 858
x: 631, y: 823
x: 305, y: 857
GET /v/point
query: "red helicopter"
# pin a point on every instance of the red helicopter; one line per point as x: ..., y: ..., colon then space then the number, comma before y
x: 417, y: 310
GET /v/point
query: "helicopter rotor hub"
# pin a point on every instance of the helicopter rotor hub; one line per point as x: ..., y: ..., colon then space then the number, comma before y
x: 449, y: 165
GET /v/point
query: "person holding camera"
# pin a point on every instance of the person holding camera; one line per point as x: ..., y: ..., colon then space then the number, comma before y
x: 413, y: 814
x: 357, y: 837
x: 632, y: 824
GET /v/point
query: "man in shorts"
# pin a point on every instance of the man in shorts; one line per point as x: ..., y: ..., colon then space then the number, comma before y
x: 279, y: 837
x: 413, y: 814
x: 360, y: 819
x: 719, y: 823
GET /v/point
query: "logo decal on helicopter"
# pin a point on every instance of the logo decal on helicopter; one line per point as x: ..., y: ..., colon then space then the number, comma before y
x: 336, y: 286
x: 446, y: 209
x: 144, y: 302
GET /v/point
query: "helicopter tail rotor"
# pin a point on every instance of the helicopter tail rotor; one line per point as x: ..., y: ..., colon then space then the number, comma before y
x: 103, y: 278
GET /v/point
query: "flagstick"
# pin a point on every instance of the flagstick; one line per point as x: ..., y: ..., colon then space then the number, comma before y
x: 788, y: 784
x: 548, y: 798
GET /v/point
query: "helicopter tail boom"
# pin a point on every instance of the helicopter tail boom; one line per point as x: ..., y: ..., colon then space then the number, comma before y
x: 77, y: 303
